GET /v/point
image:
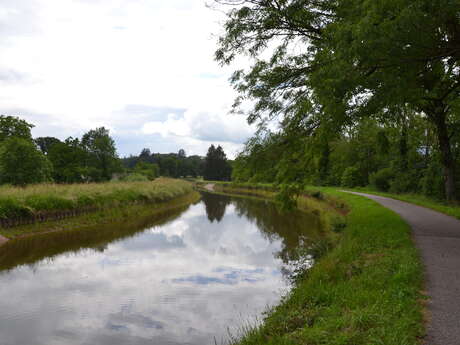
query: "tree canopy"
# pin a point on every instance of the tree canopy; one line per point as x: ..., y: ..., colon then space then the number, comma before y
x: 333, y: 63
x: 216, y: 166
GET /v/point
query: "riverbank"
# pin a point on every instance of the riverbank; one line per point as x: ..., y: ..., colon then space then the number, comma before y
x: 97, y: 231
x: 45, y: 208
x: 366, y: 289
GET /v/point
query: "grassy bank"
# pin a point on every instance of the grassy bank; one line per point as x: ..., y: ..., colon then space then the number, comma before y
x: 367, y: 289
x: 95, y: 231
x: 41, y: 205
x: 451, y: 209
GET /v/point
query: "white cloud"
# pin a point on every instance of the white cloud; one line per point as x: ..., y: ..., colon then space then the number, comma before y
x: 86, y: 63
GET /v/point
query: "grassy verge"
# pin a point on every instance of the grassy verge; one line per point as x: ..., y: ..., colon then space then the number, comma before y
x: 108, y: 201
x: 437, y: 205
x: 364, y: 290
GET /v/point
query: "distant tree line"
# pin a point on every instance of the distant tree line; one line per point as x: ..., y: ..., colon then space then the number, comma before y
x: 214, y: 166
x: 24, y: 160
x: 93, y: 158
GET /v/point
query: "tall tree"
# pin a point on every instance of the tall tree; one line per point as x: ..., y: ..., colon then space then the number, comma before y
x: 45, y: 143
x: 102, y: 160
x: 22, y: 163
x: 11, y: 126
x: 337, y: 61
x: 216, y: 166
x: 69, y: 160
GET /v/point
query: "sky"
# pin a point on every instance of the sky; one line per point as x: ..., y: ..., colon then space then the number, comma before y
x: 142, y: 68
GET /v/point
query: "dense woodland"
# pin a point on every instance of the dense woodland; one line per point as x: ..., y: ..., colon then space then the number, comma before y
x: 348, y: 93
x: 93, y: 158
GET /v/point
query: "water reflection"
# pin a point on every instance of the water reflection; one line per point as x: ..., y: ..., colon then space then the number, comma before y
x: 215, y: 206
x: 184, y: 280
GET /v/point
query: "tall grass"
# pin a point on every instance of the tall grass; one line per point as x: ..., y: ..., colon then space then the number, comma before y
x: 41, y: 199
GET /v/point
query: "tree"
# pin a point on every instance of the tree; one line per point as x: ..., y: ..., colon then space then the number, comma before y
x: 181, y: 153
x: 102, y: 159
x: 22, y: 163
x: 150, y: 170
x: 216, y: 166
x: 45, y: 143
x: 335, y: 62
x: 69, y: 161
x: 11, y: 126
x: 145, y: 155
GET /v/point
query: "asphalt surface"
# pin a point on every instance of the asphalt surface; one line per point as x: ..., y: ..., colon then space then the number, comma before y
x: 438, y: 238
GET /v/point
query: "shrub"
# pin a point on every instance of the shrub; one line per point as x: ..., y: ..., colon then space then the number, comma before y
x: 22, y: 163
x: 382, y: 179
x: 136, y: 177
x: 351, y: 177
x: 404, y: 182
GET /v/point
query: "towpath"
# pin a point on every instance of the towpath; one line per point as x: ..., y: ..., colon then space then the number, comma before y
x: 438, y: 238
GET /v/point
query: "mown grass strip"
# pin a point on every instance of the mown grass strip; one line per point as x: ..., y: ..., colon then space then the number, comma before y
x: 366, y: 290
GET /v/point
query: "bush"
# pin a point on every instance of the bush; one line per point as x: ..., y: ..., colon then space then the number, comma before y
x: 432, y: 182
x: 22, y: 163
x: 382, y: 179
x: 351, y: 177
x: 135, y: 177
x: 404, y: 182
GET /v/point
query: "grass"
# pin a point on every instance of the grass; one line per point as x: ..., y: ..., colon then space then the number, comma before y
x: 18, y: 202
x: 451, y: 209
x: 366, y: 289
x: 421, y: 200
x: 113, y: 215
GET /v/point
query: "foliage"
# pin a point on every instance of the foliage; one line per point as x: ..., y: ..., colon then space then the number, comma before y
x: 102, y: 156
x: 135, y: 177
x: 371, y: 152
x: 21, y: 163
x: 11, y: 126
x: 149, y: 170
x: 350, y: 177
x: 332, y: 64
x: 171, y: 164
x: 46, y: 143
x: 216, y: 166
x: 69, y: 161
x: 382, y: 179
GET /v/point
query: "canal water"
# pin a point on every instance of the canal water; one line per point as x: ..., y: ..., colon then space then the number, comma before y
x: 190, y: 276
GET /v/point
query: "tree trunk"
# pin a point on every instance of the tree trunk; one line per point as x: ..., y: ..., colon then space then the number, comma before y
x: 447, y: 158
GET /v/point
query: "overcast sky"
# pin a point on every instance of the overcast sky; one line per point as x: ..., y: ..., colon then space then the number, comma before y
x: 142, y: 68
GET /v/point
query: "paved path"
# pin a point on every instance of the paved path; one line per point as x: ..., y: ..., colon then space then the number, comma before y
x: 438, y: 238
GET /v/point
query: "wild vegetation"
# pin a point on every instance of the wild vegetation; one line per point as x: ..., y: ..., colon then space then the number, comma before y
x: 362, y: 92
x: 37, y: 202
